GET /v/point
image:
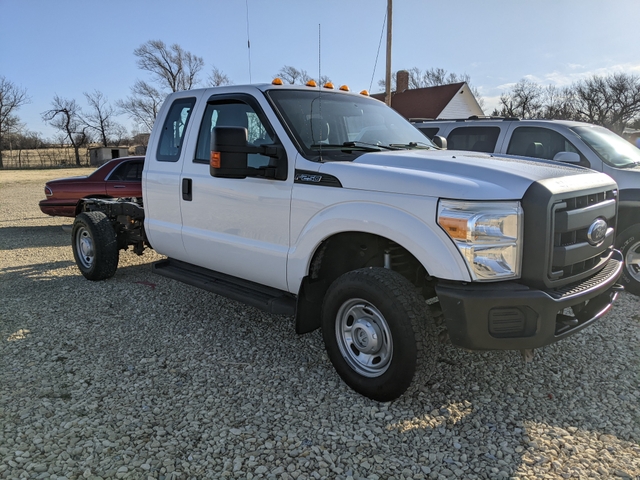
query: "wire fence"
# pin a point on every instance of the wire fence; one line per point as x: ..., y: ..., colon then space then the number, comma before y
x: 49, y: 157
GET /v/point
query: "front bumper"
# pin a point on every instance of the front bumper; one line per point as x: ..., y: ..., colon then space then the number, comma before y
x: 511, y: 316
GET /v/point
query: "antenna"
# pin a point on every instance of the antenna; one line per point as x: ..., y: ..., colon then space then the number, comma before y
x: 319, y: 86
x: 319, y: 55
x: 248, y: 40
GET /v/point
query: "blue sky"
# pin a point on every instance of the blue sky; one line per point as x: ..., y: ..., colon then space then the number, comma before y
x: 67, y: 47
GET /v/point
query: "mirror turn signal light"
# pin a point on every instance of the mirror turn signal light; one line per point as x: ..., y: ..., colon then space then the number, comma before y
x: 215, y: 160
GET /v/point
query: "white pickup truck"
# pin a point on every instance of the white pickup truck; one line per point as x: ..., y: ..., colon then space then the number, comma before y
x: 328, y: 206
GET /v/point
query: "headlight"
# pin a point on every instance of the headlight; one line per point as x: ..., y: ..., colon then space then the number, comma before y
x: 488, y: 235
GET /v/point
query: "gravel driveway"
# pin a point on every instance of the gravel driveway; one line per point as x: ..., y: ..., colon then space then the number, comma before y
x: 140, y: 376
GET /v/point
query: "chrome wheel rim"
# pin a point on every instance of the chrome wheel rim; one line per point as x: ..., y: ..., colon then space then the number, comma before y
x: 632, y: 261
x: 84, y: 247
x: 364, y: 338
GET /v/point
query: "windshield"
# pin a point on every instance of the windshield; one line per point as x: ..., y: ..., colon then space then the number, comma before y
x: 334, y: 126
x: 611, y: 148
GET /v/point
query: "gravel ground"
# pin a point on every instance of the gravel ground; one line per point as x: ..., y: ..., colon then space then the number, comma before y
x: 140, y: 376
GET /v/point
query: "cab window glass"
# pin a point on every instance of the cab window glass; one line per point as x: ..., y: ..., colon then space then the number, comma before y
x: 429, y: 132
x: 538, y: 142
x: 127, y: 172
x: 174, y: 129
x: 475, y: 139
x: 233, y: 114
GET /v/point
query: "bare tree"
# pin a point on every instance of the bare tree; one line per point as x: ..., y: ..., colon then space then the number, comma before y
x: 66, y: 116
x: 525, y: 100
x: 218, y: 78
x: 100, y: 118
x: 558, y: 103
x: 12, y: 97
x: 173, y: 69
x: 612, y: 101
x: 432, y: 77
x: 143, y: 104
x: 172, y: 66
x: 292, y: 75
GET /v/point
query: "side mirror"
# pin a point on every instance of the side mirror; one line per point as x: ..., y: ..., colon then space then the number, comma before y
x: 440, y: 142
x: 228, y: 152
x: 568, y: 157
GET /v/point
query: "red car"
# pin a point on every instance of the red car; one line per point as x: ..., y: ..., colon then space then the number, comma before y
x: 118, y: 178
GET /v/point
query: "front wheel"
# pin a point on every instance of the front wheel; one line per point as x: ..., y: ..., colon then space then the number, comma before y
x: 95, y: 247
x: 629, y: 244
x: 374, y: 326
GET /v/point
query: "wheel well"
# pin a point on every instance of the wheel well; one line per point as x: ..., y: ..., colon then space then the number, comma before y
x: 345, y: 252
x: 80, y: 204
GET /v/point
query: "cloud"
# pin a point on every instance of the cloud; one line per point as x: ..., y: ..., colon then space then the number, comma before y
x: 564, y: 78
x: 490, y: 104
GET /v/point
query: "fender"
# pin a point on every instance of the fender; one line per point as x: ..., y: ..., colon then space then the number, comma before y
x: 431, y: 246
x: 628, y: 204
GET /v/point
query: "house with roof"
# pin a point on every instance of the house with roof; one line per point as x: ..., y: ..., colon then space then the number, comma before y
x: 455, y: 100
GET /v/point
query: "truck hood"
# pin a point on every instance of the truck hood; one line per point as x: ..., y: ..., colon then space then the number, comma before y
x: 447, y: 174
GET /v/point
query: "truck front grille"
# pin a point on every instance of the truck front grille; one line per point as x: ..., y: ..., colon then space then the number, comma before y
x: 573, y: 255
x: 558, y: 245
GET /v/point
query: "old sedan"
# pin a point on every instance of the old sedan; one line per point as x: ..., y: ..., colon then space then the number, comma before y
x: 118, y: 178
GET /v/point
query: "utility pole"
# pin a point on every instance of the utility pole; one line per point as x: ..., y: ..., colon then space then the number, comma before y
x: 387, y: 77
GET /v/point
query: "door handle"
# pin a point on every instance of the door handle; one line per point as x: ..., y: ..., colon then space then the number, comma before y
x: 187, y: 193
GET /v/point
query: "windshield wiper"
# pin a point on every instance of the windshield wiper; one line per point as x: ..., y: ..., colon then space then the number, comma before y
x: 629, y: 165
x: 360, y: 146
x: 418, y: 145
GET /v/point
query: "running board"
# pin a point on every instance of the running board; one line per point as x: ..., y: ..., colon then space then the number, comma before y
x: 265, y: 298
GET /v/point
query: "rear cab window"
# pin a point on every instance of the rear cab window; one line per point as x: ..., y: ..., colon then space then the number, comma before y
x: 174, y: 129
x: 475, y: 139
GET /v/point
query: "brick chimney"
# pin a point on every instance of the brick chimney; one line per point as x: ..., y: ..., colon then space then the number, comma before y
x: 402, y: 81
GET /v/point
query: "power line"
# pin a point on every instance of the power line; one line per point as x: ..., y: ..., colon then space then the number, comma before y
x: 384, y: 22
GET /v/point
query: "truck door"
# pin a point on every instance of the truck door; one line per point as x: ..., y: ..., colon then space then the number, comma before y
x: 235, y: 226
x: 161, y: 176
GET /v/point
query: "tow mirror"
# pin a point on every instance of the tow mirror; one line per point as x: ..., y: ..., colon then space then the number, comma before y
x: 228, y: 152
x: 440, y: 142
x: 568, y: 157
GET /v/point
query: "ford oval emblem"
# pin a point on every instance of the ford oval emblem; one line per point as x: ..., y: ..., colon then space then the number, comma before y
x: 597, y: 231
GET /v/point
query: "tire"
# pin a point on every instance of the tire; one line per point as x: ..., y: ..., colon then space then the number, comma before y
x: 95, y: 247
x: 374, y: 326
x: 629, y: 244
